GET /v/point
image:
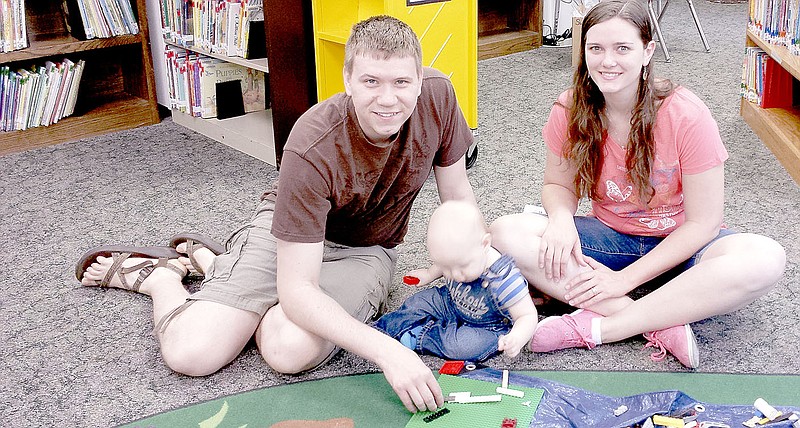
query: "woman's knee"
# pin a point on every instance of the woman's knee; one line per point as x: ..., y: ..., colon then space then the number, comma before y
x: 772, y: 258
x: 511, y: 232
x: 293, y: 357
x: 759, y: 260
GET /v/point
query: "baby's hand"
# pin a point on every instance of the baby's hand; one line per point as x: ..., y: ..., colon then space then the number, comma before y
x: 418, y: 278
x: 510, y: 345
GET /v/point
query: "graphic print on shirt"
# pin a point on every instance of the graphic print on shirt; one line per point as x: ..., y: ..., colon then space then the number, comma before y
x: 665, y: 177
x: 663, y: 180
x: 663, y: 223
x: 470, y: 302
x: 614, y: 192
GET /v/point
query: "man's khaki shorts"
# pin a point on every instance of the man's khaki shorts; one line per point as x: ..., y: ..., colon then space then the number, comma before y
x: 358, y: 278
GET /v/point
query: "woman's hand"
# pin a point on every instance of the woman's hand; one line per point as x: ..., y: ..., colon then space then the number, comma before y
x: 559, y: 243
x: 588, y: 288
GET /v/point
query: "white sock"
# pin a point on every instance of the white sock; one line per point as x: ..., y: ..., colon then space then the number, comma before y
x: 596, y: 330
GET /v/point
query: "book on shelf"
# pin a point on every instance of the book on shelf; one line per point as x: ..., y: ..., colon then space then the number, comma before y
x: 89, y: 19
x: 764, y: 81
x: 39, y: 96
x: 13, y: 26
x: 221, y: 27
x: 777, y: 22
x: 252, y: 83
x: 193, y: 80
x: 776, y: 86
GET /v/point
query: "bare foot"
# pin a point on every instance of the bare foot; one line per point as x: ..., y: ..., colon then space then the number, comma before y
x: 202, y: 256
x: 131, y: 269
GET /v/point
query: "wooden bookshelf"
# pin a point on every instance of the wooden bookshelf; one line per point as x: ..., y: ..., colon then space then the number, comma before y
x: 778, y: 128
x: 117, y: 89
x: 256, y: 64
x: 508, y: 26
x: 292, y: 88
x: 251, y: 134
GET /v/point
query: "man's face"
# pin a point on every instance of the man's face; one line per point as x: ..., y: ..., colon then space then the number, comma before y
x: 384, y: 94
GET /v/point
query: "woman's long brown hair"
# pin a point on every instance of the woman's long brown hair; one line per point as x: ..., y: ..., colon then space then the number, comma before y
x: 586, y: 130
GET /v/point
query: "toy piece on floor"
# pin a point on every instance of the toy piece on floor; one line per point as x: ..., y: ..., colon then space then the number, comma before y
x: 452, y: 367
x: 410, y: 280
x: 505, y: 390
x: 768, y: 411
x: 467, y: 398
x: 509, y: 423
x: 769, y: 415
x: 667, y: 421
x: 481, y: 414
x: 436, y: 415
x: 620, y: 410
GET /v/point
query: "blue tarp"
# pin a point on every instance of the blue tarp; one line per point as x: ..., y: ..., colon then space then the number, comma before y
x: 567, y: 406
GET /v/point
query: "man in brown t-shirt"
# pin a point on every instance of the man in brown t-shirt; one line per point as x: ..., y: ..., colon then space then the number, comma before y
x: 317, y: 259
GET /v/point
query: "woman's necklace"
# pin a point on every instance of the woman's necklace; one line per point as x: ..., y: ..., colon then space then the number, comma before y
x: 618, y: 128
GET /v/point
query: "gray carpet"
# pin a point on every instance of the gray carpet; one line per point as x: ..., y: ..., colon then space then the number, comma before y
x: 84, y: 357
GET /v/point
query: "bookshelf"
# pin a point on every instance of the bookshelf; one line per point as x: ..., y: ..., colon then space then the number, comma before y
x: 291, y: 87
x: 117, y: 89
x: 251, y: 133
x: 778, y: 128
x: 508, y: 26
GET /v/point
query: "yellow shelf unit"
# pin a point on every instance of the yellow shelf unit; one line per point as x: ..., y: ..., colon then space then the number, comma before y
x: 447, y: 31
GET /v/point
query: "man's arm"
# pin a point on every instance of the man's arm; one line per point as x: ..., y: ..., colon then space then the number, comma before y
x: 309, y: 308
x: 452, y: 182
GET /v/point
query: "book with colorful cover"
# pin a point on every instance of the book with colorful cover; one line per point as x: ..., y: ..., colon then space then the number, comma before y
x: 253, y: 83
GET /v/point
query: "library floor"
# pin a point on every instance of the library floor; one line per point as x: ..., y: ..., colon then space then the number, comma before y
x: 75, y: 356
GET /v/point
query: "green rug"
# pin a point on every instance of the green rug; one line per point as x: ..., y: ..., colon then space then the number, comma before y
x: 369, y: 400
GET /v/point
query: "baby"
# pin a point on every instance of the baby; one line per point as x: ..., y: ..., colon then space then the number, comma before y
x: 482, y: 308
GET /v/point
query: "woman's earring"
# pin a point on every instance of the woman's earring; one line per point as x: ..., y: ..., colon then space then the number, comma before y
x: 644, y: 73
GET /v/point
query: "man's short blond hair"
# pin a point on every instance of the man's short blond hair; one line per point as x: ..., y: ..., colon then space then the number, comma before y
x: 382, y: 37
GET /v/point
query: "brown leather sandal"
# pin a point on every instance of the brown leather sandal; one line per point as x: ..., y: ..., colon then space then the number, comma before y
x: 120, y: 253
x: 193, y: 242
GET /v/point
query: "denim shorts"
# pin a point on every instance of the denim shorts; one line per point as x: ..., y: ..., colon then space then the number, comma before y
x: 618, y: 250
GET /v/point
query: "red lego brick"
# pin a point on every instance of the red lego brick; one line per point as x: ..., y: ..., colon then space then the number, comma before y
x: 452, y: 367
x: 509, y: 423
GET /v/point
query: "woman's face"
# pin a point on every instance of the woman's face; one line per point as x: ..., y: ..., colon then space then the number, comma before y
x: 615, y: 55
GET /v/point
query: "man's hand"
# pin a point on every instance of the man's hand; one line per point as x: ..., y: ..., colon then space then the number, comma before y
x: 411, y: 380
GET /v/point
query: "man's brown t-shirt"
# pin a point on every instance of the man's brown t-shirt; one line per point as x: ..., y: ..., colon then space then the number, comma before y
x: 334, y: 184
